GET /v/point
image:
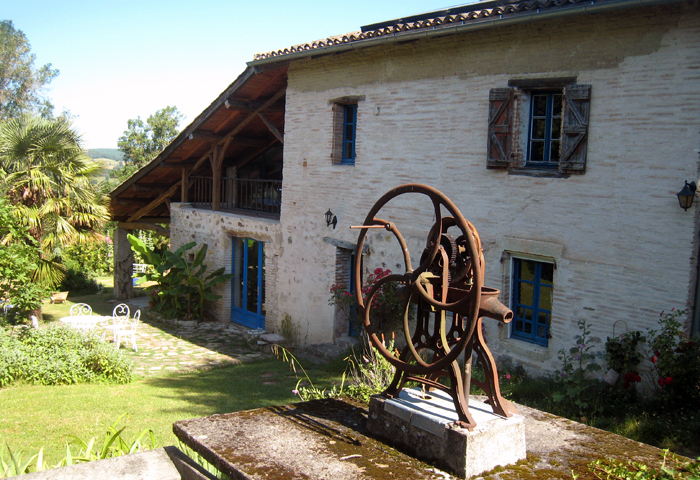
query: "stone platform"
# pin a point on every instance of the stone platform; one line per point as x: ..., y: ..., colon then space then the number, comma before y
x: 328, y: 439
x: 423, y: 426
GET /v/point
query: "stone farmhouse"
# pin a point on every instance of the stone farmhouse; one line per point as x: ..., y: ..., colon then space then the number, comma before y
x: 562, y: 129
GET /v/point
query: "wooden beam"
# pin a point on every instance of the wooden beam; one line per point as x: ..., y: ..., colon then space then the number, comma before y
x: 250, y: 106
x: 119, y: 201
x: 205, y: 137
x: 271, y: 126
x: 161, y: 198
x: 149, y: 187
x: 176, y: 163
x: 241, y: 125
x: 144, y: 226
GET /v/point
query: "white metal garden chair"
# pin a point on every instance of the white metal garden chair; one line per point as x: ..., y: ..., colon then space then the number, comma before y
x: 80, y: 309
x: 127, y: 331
x: 120, y: 315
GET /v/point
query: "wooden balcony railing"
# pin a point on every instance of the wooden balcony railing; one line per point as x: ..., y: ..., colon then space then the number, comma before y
x: 261, y: 196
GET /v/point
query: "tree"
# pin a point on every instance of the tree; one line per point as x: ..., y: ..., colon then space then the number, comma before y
x: 50, y: 182
x: 21, y: 84
x: 143, y: 141
x: 19, y: 257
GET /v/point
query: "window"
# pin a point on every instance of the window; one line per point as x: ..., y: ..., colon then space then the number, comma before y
x: 544, y: 134
x: 349, y: 129
x: 345, y: 129
x: 553, y: 133
x: 532, y: 284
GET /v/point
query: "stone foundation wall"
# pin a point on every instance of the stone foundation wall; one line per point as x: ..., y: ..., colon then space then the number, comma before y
x: 217, y: 229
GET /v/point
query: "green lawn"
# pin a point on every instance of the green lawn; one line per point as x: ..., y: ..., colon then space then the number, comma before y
x: 35, y: 416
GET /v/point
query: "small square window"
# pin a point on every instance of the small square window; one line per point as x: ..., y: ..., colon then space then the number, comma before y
x: 532, y: 286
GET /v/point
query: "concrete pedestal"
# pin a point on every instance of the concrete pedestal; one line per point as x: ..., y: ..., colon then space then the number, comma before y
x: 424, y: 428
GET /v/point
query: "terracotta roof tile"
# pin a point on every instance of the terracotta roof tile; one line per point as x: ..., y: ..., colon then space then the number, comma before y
x: 424, y: 24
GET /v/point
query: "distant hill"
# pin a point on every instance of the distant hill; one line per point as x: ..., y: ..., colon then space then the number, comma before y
x: 110, y: 153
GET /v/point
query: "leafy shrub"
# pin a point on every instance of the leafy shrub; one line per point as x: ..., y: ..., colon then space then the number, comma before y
x: 577, y: 390
x: 95, y: 256
x: 387, y: 309
x: 676, y: 362
x: 19, y: 257
x: 59, y: 355
x: 182, y: 285
x: 78, y: 281
x: 371, y: 373
x: 670, y: 468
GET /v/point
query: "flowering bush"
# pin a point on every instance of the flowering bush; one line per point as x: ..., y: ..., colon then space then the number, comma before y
x: 675, y: 361
x: 622, y: 354
x: 387, y: 307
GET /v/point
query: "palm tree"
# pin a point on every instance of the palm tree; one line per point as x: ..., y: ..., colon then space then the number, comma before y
x: 50, y: 181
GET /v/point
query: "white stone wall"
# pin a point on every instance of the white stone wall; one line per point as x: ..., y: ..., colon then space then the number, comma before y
x: 623, y: 248
x: 217, y: 229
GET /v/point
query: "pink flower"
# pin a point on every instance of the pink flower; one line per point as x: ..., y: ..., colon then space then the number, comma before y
x: 508, y: 375
x: 295, y: 392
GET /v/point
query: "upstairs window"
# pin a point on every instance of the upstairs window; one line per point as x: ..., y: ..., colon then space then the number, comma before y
x: 544, y: 136
x: 344, y: 141
x: 349, y: 132
x: 533, y: 284
x: 539, y: 125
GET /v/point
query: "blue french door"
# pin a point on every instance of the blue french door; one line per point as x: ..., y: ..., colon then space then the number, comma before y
x: 248, y: 283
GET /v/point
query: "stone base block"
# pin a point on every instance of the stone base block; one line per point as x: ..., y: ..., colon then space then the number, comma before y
x: 425, y: 429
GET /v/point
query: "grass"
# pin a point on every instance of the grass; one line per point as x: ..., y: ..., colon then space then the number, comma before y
x: 36, y: 416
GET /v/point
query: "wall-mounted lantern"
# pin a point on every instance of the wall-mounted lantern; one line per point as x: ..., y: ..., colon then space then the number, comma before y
x: 686, y: 195
x: 331, y: 219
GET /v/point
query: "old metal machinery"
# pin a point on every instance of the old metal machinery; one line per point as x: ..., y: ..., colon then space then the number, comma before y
x: 446, y: 290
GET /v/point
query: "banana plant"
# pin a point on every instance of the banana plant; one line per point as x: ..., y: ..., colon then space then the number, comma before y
x: 178, y: 278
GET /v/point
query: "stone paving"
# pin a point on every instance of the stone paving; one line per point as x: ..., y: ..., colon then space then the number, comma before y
x: 169, y: 348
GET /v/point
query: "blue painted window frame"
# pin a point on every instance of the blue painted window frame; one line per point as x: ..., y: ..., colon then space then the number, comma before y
x: 552, y: 134
x: 534, y: 329
x: 349, y: 134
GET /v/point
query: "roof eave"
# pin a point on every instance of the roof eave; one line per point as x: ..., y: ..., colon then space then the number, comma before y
x: 464, y: 26
x: 185, y: 133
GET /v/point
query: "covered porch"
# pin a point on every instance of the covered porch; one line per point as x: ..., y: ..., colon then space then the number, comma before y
x: 229, y: 159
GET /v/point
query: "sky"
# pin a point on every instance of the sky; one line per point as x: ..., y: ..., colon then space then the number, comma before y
x: 126, y: 59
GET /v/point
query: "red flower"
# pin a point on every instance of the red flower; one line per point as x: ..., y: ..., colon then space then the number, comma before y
x: 661, y: 382
x: 625, y: 385
x: 654, y: 359
x: 657, y: 353
x: 669, y: 380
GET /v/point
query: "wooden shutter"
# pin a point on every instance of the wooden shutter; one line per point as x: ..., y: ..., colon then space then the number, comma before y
x: 500, y: 133
x: 574, y: 139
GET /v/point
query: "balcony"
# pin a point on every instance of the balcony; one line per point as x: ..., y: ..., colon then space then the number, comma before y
x: 261, y: 198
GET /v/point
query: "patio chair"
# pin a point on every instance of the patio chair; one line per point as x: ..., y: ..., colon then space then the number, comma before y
x: 128, y: 330
x: 59, y: 297
x: 80, y: 309
x: 120, y: 315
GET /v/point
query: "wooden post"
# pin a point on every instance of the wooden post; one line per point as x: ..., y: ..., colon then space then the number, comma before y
x: 123, y: 265
x: 185, y: 185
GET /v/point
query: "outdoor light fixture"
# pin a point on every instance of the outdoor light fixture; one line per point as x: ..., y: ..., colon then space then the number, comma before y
x: 685, y: 196
x: 331, y: 219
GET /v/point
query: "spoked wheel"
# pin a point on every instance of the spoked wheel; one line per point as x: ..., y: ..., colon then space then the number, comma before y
x: 448, y: 279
